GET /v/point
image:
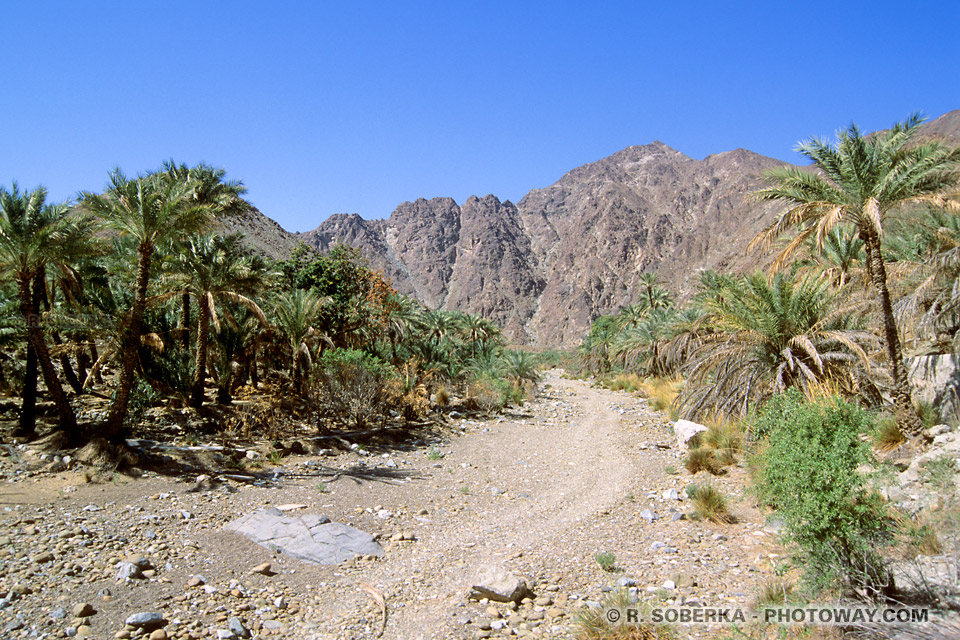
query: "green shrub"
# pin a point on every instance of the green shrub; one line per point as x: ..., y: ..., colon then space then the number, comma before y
x: 607, y: 561
x: 353, y: 387
x: 809, y: 474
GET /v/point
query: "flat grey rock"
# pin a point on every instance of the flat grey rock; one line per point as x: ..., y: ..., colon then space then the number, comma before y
x: 497, y: 585
x: 309, y: 537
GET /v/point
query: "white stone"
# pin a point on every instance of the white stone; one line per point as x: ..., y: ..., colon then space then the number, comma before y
x: 684, y: 430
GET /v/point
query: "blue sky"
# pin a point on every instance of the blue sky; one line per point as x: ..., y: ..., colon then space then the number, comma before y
x: 333, y: 107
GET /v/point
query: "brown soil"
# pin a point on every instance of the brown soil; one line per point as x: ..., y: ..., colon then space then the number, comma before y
x: 538, y: 492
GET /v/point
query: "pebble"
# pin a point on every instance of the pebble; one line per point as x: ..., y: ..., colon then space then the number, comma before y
x: 145, y: 619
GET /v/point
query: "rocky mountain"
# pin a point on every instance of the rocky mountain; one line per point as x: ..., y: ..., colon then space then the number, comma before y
x: 546, y: 267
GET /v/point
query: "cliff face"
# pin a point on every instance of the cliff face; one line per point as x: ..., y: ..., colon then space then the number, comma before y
x: 545, y: 268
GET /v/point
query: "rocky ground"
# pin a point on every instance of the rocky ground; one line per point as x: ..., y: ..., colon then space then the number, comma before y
x: 537, y: 493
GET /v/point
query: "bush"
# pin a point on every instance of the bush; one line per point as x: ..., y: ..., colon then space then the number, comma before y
x: 809, y: 474
x: 887, y: 436
x: 702, y: 459
x: 354, y: 387
x: 709, y: 504
x: 607, y: 561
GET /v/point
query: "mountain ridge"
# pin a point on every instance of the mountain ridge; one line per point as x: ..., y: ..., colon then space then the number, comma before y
x: 546, y: 267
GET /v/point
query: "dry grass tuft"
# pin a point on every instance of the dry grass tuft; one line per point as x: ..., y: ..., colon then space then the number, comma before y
x: 709, y: 504
x: 592, y: 624
x: 888, y: 436
x: 703, y: 459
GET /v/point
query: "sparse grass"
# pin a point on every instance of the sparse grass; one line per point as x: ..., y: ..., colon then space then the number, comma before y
x: 662, y: 394
x: 774, y: 592
x: 710, y: 504
x: 887, y: 436
x: 940, y: 473
x: 670, y: 469
x: 441, y: 397
x: 927, y: 412
x: 593, y: 624
x: 434, y: 454
x: 275, y: 457
x: 702, y: 459
x: 607, y: 561
x: 725, y: 437
x: 630, y: 382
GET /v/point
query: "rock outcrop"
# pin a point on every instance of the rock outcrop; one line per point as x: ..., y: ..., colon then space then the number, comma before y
x: 545, y: 268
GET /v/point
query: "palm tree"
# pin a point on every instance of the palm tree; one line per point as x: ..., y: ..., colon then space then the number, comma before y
x: 861, y: 181
x: 842, y: 250
x: 210, y: 189
x: 296, y: 315
x: 766, y: 336
x: 401, y: 316
x: 211, y: 268
x: 932, y: 243
x: 34, y: 235
x: 150, y: 210
x: 478, y: 331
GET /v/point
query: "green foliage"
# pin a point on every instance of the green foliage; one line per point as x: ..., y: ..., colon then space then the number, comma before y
x: 350, y: 287
x: 607, y: 561
x: 142, y: 397
x: 353, y: 387
x: 766, y: 335
x: 809, y: 474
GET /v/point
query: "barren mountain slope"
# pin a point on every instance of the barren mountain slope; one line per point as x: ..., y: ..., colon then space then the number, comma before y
x: 567, y: 253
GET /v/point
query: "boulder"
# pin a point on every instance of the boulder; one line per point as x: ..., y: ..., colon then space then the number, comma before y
x: 936, y: 381
x: 498, y: 585
x: 685, y: 430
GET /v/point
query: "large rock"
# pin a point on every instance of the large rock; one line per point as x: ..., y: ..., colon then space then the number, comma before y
x: 685, y: 430
x: 309, y: 537
x: 498, y: 585
x: 936, y: 381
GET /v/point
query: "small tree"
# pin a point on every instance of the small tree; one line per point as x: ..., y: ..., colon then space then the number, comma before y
x: 809, y: 474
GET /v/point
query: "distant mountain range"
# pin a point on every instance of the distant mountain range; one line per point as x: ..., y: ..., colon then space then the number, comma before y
x: 546, y: 267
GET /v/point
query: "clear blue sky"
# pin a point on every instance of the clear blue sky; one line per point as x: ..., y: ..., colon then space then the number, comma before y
x: 332, y: 107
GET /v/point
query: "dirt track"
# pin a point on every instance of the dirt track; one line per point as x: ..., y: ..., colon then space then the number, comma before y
x: 539, y: 493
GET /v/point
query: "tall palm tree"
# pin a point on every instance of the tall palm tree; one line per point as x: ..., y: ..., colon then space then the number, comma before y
x: 210, y: 189
x: 34, y: 235
x: 210, y: 268
x: 477, y: 331
x: 861, y: 181
x: 296, y: 315
x: 151, y: 210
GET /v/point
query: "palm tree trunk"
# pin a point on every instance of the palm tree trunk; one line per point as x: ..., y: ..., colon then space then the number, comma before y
x: 200, y: 370
x: 40, y: 290
x: 185, y: 320
x: 27, y: 425
x: 67, y: 419
x: 906, y: 415
x: 131, y: 344
x: 95, y: 357
x: 67, y: 367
